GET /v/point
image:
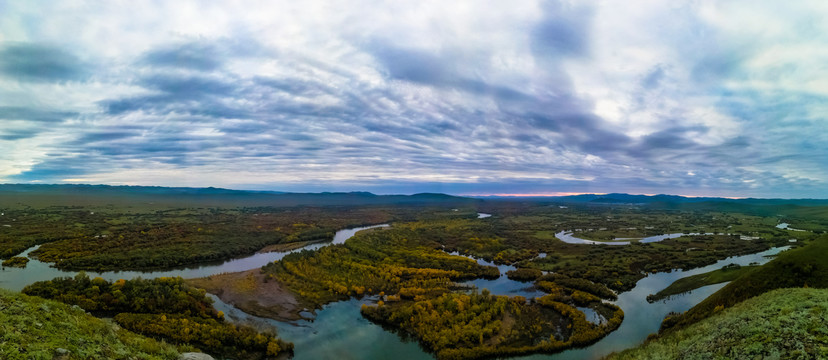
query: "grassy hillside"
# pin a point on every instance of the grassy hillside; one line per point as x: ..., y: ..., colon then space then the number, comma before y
x: 784, y: 323
x: 34, y: 328
x: 805, y: 266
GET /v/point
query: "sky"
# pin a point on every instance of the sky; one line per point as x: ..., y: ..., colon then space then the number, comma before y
x: 702, y: 98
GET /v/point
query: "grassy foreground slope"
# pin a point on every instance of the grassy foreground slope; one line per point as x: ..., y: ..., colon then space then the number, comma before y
x: 784, y: 323
x: 34, y: 328
x: 803, y: 267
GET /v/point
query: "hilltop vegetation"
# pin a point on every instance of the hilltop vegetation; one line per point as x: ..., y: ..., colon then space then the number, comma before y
x: 785, y: 323
x: 34, y: 328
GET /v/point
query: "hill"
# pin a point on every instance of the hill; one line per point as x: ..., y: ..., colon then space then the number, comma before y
x: 783, y: 323
x: 34, y: 328
x: 805, y: 266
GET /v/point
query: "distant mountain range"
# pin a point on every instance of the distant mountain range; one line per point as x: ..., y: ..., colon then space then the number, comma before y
x: 70, y: 195
x: 622, y: 198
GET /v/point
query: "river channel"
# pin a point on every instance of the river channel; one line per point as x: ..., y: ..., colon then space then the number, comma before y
x: 339, y: 331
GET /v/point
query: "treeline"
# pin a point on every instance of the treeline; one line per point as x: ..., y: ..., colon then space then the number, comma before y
x: 467, y: 326
x: 216, y: 336
x: 17, y: 261
x: 620, y: 267
x: 524, y: 274
x: 155, y: 296
x: 127, y: 238
x: 163, y: 308
x: 394, y: 261
x: 597, y: 289
x: 20, y: 230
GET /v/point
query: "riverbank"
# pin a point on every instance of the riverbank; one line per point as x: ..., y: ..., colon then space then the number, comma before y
x: 683, y: 285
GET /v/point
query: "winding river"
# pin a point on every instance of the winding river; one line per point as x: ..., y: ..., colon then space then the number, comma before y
x: 16, y: 279
x: 339, y: 331
x: 567, y: 237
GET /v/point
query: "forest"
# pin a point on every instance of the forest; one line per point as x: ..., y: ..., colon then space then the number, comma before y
x: 165, y: 308
x: 75, y: 238
x: 464, y: 326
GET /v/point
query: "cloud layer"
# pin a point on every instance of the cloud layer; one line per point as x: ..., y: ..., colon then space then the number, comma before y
x: 696, y: 98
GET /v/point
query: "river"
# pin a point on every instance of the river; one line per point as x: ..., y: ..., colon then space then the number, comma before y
x: 567, y: 237
x: 339, y: 331
x: 786, y: 227
x: 16, y: 279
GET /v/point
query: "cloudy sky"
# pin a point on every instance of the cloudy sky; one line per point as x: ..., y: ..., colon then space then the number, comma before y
x: 463, y: 97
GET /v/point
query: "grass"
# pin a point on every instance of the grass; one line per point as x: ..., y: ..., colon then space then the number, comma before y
x: 803, y: 267
x: 35, y: 328
x: 689, y: 283
x: 784, y: 323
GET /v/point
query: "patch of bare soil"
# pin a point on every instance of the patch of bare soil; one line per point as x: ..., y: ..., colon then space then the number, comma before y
x: 248, y: 291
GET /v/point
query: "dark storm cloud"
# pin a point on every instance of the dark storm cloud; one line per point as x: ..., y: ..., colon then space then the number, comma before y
x: 40, y: 63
